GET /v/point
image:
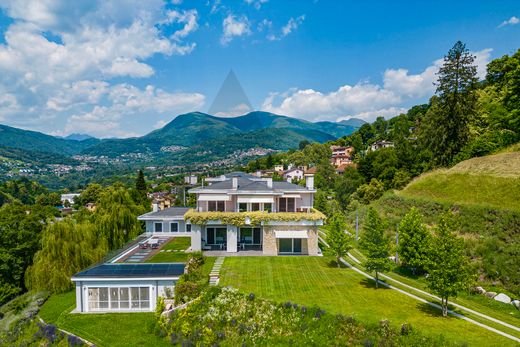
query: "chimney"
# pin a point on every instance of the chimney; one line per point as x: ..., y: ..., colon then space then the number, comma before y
x: 309, y: 181
x: 155, y: 206
x: 234, y: 181
x: 269, y: 181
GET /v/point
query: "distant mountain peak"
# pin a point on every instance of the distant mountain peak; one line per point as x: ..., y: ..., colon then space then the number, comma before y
x: 355, y: 122
x: 78, y: 137
x: 231, y: 100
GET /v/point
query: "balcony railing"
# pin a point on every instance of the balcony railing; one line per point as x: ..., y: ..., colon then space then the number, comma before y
x: 252, y: 218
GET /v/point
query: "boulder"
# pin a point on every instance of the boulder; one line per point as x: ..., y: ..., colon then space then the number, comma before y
x: 491, y: 294
x: 516, y: 303
x: 503, y: 298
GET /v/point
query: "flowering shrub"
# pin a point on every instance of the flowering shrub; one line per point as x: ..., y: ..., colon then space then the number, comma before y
x: 251, y: 217
x: 226, y: 317
x: 193, y: 282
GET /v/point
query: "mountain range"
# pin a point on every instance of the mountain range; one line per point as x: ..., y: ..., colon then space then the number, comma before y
x: 190, y: 133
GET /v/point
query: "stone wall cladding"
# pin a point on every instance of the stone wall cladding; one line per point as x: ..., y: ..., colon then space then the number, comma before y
x: 270, y: 246
x: 309, y: 246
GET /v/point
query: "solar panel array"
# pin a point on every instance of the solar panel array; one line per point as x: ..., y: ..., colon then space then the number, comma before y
x: 134, y: 270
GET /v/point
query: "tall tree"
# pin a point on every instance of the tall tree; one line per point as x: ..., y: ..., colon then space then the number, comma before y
x: 445, y: 128
x: 339, y: 241
x: 67, y: 247
x: 376, y: 244
x: 447, y: 264
x: 414, y: 241
x: 140, y: 183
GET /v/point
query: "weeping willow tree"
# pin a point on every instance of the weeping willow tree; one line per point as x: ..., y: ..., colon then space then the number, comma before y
x: 67, y: 247
x: 116, y: 217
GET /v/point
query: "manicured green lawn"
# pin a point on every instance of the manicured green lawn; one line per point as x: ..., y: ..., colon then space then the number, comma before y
x: 317, y: 281
x: 178, y: 244
x: 169, y: 257
x: 111, y: 329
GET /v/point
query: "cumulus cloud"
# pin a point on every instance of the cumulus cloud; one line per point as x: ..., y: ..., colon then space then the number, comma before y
x: 234, y: 27
x: 126, y: 101
x: 60, y: 57
x: 364, y: 100
x: 511, y: 21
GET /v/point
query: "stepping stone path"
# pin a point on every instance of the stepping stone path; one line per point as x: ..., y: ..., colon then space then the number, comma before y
x: 214, y: 275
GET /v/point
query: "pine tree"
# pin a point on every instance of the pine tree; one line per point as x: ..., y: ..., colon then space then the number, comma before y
x: 445, y: 129
x: 140, y: 184
x: 339, y: 241
x: 376, y: 244
x: 447, y: 264
x: 414, y: 241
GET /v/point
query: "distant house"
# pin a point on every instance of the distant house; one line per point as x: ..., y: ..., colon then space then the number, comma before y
x: 278, y: 168
x: 293, y: 174
x: 68, y: 197
x: 311, y: 170
x: 381, y: 144
x: 340, y: 170
x: 161, y: 200
x: 191, y: 180
x: 341, y: 155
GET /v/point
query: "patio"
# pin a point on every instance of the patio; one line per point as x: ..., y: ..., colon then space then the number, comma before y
x: 224, y: 253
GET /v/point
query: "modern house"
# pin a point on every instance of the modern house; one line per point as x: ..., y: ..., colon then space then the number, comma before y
x: 238, y: 211
x: 120, y: 287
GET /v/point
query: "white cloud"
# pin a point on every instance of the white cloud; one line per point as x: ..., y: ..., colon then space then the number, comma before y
x: 127, y: 101
x: 511, y: 21
x: 60, y: 57
x: 234, y: 27
x: 364, y: 100
x: 288, y: 28
x: 257, y: 4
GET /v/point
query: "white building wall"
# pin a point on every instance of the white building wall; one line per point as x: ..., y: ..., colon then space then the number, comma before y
x: 196, y: 237
x: 232, y: 238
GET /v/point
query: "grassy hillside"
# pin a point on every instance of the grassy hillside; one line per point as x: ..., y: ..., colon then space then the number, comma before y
x: 484, y: 196
x: 492, y: 181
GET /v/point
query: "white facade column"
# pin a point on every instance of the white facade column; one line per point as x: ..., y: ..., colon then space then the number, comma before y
x: 196, y: 237
x: 79, y: 303
x: 232, y: 237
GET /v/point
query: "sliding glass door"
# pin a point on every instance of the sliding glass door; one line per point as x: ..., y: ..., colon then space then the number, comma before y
x: 216, y: 236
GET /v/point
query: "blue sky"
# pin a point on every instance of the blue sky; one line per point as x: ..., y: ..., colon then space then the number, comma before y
x: 123, y: 68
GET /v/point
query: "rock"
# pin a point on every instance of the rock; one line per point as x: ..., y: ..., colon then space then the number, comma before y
x: 503, y: 298
x: 491, y: 294
x: 516, y: 303
x: 479, y: 290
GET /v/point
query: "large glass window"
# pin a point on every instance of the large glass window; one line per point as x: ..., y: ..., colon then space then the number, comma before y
x: 255, y: 206
x: 242, y: 207
x: 250, y: 236
x: 188, y: 228
x: 216, y: 206
x: 174, y: 227
x: 268, y: 207
x: 118, y: 298
x: 158, y: 227
x: 290, y: 245
x: 216, y: 236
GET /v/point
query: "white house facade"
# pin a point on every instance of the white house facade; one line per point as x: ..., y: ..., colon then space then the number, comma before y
x: 276, y: 217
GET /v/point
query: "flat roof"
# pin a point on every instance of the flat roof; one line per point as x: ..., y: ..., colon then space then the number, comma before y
x: 167, y: 212
x: 124, y: 270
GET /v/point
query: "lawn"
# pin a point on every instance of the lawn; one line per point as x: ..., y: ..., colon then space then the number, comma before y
x: 110, y: 329
x: 317, y: 281
x: 178, y: 244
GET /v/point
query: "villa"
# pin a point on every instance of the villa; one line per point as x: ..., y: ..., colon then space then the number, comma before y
x: 234, y: 213
x: 238, y: 212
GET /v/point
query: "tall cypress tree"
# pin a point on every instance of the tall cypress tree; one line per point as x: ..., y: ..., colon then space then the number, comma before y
x: 445, y: 129
x: 140, y: 183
